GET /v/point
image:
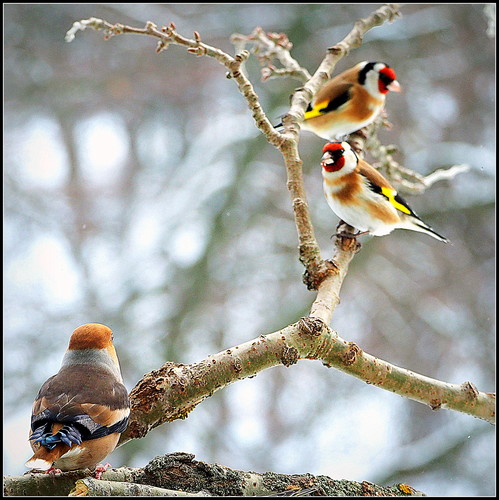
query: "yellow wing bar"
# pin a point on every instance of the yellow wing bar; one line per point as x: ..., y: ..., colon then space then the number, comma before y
x: 317, y: 110
x: 390, y: 194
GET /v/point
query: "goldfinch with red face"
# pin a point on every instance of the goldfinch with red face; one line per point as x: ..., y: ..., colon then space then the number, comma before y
x: 79, y: 413
x: 350, y: 100
x: 360, y: 196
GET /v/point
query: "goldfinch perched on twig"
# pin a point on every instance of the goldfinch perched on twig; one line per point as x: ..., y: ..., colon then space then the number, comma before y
x: 350, y: 101
x: 79, y: 413
x: 360, y: 196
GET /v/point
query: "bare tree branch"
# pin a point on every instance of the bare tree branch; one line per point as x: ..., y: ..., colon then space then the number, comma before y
x: 269, y: 46
x: 90, y: 487
x: 174, y: 390
x: 287, y: 143
x: 178, y: 474
x: 406, y: 180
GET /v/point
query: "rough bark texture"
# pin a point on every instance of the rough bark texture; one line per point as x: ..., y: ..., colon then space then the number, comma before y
x: 176, y: 474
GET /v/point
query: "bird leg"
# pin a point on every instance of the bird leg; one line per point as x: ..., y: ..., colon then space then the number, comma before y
x: 53, y: 471
x: 100, y: 469
x: 361, y: 133
x: 346, y: 234
x: 347, y: 240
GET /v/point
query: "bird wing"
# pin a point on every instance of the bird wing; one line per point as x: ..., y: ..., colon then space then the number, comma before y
x: 329, y: 98
x: 83, y: 395
x: 378, y: 184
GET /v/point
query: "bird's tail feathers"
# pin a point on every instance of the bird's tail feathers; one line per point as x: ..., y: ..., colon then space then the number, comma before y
x: 43, y: 458
x: 422, y: 227
x: 50, y: 442
x: 50, y: 435
x: 38, y: 463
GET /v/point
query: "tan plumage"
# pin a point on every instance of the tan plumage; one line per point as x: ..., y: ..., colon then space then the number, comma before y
x: 363, y: 198
x: 350, y: 100
x: 79, y: 413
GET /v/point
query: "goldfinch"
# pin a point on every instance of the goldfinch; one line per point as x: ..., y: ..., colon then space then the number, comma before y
x: 360, y: 196
x: 350, y: 100
x: 79, y: 413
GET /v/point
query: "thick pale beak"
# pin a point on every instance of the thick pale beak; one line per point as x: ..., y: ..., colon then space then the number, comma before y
x: 394, y: 86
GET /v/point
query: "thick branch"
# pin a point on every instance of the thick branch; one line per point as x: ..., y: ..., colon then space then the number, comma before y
x: 90, y: 487
x: 465, y: 398
x: 34, y: 484
x: 174, y: 390
x: 178, y: 474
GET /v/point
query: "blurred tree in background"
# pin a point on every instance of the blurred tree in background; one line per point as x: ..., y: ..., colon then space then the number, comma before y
x: 139, y: 194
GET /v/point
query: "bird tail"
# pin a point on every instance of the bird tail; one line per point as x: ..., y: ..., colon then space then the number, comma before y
x: 417, y: 224
x: 50, y: 442
x: 43, y: 459
x: 39, y: 463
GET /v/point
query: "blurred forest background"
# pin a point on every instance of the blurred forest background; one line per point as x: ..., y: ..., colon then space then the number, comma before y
x: 139, y: 194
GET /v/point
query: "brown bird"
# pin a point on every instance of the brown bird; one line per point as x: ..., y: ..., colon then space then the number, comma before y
x: 360, y: 196
x: 350, y: 100
x: 80, y: 412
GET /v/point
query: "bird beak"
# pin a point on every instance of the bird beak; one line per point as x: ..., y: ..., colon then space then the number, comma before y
x: 328, y: 163
x: 394, y: 86
x: 325, y: 157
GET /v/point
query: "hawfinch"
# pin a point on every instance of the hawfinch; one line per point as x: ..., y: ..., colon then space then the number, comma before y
x: 79, y: 413
x: 360, y: 196
x: 350, y: 100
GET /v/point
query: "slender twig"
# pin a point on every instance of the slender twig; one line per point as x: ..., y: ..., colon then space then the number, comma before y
x: 406, y: 180
x: 444, y: 174
x: 269, y: 46
x: 167, y: 36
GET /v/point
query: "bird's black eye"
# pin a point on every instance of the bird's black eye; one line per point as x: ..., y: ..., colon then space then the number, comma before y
x: 337, y: 154
x: 385, y: 79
